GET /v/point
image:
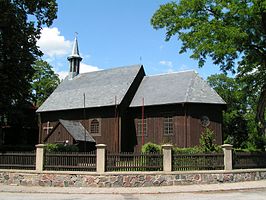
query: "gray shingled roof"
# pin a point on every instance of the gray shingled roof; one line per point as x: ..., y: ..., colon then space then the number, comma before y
x: 100, y: 88
x: 182, y: 87
x: 76, y: 130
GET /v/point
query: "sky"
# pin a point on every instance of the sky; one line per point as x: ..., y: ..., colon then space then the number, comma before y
x: 114, y: 33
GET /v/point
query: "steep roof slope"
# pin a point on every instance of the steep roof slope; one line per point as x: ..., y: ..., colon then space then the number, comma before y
x: 181, y: 87
x: 76, y: 130
x: 100, y: 89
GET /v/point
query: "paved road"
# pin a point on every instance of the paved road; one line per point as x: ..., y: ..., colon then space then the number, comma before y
x: 249, y: 190
x: 259, y: 194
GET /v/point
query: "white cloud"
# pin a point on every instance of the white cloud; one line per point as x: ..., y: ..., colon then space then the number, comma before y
x: 166, y: 63
x: 83, y: 69
x: 53, y: 44
x: 55, y: 47
x: 170, y: 70
x: 184, y: 67
x: 88, y: 68
x: 62, y: 74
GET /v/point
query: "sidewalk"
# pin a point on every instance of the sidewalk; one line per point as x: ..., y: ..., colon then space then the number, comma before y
x: 142, y: 190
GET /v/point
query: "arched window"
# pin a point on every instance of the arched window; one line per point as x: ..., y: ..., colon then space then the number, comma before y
x: 95, y: 127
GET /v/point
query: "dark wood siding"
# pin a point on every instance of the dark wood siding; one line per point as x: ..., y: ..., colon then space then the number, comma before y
x: 213, y: 112
x: 108, y: 133
x: 60, y: 135
x: 44, y: 133
x: 187, y: 126
x: 119, y: 133
x: 109, y: 125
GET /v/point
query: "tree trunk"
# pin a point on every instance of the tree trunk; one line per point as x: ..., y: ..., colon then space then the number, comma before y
x: 260, y: 114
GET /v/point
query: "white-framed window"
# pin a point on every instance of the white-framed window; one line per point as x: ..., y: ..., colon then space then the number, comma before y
x: 168, y: 127
x: 141, y: 126
x: 95, y: 127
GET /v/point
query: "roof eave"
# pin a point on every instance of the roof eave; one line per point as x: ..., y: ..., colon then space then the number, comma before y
x: 184, y: 102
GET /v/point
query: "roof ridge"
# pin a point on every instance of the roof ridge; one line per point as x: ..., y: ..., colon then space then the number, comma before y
x: 192, y: 80
x: 172, y: 73
x: 113, y: 68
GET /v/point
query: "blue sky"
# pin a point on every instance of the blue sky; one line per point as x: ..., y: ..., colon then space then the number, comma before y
x: 114, y: 33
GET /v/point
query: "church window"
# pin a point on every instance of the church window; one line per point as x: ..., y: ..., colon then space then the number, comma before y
x: 95, y: 127
x: 205, y: 121
x: 141, y: 127
x: 168, y: 126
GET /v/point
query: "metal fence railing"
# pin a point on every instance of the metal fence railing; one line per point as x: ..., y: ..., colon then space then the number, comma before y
x: 245, y: 160
x: 134, y: 162
x: 17, y: 160
x: 186, y: 162
x: 70, y: 161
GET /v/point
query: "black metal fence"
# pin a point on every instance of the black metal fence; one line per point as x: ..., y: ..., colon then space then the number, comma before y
x: 70, y: 161
x: 186, y: 162
x: 17, y: 160
x: 134, y: 162
x: 244, y: 160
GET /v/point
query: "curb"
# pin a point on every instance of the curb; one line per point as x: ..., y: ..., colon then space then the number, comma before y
x: 208, y: 188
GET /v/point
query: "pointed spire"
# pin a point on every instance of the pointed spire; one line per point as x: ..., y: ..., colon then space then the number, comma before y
x: 75, y: 50
x: 74, y: 60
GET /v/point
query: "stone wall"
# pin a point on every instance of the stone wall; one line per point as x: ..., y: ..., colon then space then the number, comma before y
x: 126, y: 179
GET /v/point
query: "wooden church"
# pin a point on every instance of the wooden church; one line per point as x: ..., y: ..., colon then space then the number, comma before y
x: 124, y: 108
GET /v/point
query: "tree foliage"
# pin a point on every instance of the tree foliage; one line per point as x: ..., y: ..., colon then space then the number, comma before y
x: 239, y: 125
x: 207, y: 141
x: 235, y: 124
x: 20, y: 26
x: 44, y: 82
x: 232, y: 33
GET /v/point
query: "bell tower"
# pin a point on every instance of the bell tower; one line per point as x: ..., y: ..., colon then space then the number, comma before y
x: 74, y: 60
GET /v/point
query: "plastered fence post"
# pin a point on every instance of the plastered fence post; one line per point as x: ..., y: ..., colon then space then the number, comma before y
x: 100, y: 163
x: 39, y: 157
x: 167, y: 157
x: 228, y: 156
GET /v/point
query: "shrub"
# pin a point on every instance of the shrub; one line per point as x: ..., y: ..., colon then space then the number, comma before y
x: 151, y: 148
x: 61, y: 148
x: 190, y: 150
x: 207, y: 141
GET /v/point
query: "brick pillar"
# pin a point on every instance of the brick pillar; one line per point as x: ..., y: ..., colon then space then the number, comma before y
x: 167, y: 157
x: 39, y: 157
x: 228, y: 156
x: 100, y: 163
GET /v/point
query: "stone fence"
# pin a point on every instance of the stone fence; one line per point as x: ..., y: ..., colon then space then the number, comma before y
x: 126, y: 179
x: 101, y: 178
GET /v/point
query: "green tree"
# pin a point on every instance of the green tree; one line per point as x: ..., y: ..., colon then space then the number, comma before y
x: 235, y: 122
x: 231, y: 33
x: 44, y: 82
x: 20, y: 26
